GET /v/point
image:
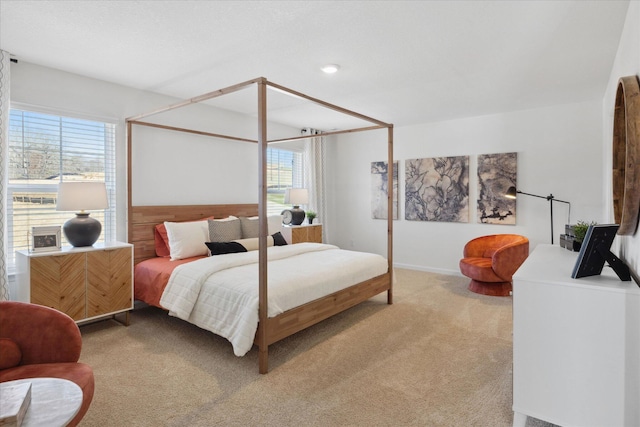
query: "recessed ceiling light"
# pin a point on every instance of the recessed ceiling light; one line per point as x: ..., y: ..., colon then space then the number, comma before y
x: 330, y: 68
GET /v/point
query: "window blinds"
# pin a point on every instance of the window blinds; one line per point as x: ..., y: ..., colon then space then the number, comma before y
x: 45, y: 150
x: 285, y: 169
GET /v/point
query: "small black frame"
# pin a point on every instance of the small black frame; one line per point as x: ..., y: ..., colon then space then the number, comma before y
x: 595, y: 251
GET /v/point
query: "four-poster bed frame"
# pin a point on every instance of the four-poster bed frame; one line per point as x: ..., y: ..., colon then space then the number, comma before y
x: 142, y: 219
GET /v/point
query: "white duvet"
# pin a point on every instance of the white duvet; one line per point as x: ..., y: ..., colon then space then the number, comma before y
x: 220, y: 293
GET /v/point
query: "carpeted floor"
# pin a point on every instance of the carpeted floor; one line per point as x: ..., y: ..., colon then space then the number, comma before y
x: 439, y: 356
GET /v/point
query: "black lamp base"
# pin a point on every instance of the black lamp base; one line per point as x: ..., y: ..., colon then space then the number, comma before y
x: 298, y: 215
x: 82, y: 230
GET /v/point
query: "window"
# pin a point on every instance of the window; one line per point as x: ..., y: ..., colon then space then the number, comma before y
x: 44, y: 150
x: 284, y: 170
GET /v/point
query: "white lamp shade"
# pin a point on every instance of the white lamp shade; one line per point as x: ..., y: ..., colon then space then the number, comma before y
x: 296, y: 196
x: 82, y: 196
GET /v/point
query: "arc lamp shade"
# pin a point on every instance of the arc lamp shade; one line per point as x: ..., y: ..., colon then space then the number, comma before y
x: 511, y: 193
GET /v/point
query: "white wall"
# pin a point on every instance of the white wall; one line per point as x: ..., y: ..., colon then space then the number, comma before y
x: 166, y: 171
x: 559, y: 152
x: 627, y: 63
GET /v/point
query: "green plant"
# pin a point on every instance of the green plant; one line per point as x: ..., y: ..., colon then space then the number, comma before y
x: 311, y: 215
x: 580, y: 229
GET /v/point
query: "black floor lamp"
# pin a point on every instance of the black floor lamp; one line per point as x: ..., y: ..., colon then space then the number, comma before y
x: 512, y: 192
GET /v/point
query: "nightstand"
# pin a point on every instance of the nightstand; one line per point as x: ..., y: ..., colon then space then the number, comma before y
x: 302, y: 233
x: 85, y: 282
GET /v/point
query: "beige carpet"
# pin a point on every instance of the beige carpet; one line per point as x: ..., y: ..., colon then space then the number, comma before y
x: 439, y: 356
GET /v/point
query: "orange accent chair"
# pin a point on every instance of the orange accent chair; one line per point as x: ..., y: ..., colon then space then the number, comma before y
x: 490, y: 262
x: 38, y: 341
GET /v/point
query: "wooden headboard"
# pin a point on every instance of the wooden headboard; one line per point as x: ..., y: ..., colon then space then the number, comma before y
x: 143, y: 219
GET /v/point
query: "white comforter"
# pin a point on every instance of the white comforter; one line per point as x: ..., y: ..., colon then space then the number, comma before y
x: 220, y: 293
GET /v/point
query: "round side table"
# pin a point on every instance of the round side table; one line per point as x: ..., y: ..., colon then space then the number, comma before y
x: 54, y: 401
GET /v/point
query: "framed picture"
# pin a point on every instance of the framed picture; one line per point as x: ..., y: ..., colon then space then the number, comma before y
x: 45, y: 239
x: 437, y: 189
x: 496, y: 173
x: 379, y: 173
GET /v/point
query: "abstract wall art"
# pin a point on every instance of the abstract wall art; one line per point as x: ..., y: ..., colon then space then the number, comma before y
x: 496, y: 173
x: 379, y: 186
x: 437, y: 189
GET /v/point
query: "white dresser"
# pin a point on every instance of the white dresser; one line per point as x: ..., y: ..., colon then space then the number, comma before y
x: 576, y: 344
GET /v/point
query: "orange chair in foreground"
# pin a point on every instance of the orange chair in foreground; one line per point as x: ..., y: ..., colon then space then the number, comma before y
x: 490, y: 262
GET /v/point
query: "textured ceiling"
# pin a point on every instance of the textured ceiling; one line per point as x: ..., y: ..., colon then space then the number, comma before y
x: 403, y: 62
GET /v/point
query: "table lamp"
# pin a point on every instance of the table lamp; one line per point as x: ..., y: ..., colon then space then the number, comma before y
x: 80, y: 197
x: 296, y: 197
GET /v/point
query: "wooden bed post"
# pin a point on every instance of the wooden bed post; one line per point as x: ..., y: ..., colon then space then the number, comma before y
x: 263, y: 307
x: 390, y: 191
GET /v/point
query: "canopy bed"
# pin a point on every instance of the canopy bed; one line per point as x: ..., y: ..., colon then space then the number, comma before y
x: 275, y: 319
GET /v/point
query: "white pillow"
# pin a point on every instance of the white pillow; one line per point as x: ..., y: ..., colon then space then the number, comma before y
x: 274, y: 224
x: 252, y: 244
x: 187, y: 239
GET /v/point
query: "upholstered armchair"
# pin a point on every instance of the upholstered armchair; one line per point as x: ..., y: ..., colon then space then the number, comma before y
x: 490, y: 262
x: 38, y: 341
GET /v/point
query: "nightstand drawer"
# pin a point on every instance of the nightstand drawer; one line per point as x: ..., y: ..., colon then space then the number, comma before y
x: 302, y: 233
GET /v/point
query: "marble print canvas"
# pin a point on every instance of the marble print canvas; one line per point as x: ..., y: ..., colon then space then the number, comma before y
x: 379, y: 185
x: 437, y: 189
x: 496, y: 173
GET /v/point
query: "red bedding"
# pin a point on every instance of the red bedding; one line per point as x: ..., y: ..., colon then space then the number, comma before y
x: 151, y: 277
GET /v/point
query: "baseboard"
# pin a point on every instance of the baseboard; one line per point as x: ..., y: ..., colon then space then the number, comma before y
x: 428, y: 269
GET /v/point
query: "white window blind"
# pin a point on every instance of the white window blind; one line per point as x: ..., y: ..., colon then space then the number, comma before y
x: 45, y: 150
x: 285, y: 169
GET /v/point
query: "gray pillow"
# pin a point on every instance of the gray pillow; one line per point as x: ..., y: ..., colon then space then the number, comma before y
x: 250, y: 227
x: 224, y: 230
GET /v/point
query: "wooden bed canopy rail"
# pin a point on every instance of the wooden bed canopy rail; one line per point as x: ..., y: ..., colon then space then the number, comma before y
x: 142, y: 219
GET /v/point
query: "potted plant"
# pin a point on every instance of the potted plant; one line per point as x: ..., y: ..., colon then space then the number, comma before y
x: 311, y: 215
x: 579, y: 231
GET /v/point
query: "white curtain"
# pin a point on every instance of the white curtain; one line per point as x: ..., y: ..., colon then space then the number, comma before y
x: 314, y: 180
x: 4, y: 142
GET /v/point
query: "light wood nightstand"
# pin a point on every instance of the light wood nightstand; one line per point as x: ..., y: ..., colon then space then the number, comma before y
x: 85, y: 282
x: 302, y: 233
